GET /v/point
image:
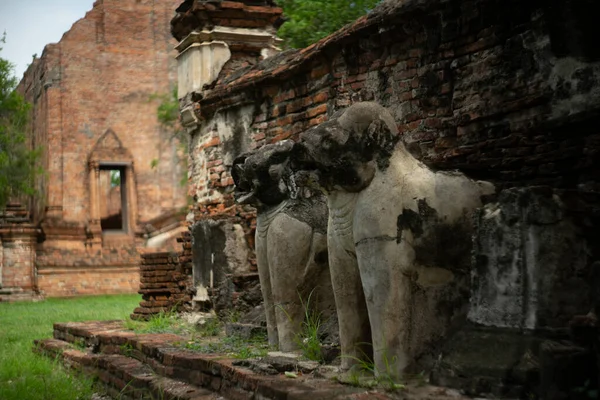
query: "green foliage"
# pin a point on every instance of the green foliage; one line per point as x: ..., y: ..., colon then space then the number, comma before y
x: 115, y: 178
x: 170, y: 322
x: 162, y: 322
x: 27, y: 376
x: 17, y: 161
x: 168, y: 110
x: 311, y: 20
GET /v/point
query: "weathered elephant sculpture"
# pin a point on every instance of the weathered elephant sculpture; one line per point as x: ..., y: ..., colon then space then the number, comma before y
x: 399, y: 236
x: 291, y: 243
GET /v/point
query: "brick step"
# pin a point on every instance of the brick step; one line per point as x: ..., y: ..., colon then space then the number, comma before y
x: 157, y: 363
x: 163, y: 355
x: 123, y: 377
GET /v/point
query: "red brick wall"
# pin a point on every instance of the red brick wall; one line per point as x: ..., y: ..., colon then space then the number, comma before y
x: 57, y: 282
x: 106, y: 69
x: 473, y: 85
x: 105, y: 73
x: 495, y: 89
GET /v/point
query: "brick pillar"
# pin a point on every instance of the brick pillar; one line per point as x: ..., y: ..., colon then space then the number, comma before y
x: 17, y: 265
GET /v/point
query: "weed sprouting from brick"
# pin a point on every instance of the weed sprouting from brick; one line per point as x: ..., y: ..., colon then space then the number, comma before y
x: 308, y: 338
x: 365, y: 374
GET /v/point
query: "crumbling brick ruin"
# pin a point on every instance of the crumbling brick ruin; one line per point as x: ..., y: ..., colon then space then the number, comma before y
x: 505, y: 92
x: 111, y: 189
x: 164, y: 284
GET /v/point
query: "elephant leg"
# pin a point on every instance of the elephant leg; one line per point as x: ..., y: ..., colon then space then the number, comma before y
x: 386, y: 283
x: 353, y: 319
x: 265, y: 284
x: 289, y: 249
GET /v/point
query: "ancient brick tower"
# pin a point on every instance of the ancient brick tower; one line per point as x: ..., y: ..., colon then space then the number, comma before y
x: 112, y: 188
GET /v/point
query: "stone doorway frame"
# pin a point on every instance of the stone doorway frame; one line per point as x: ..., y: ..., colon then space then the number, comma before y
x: 109, y: 153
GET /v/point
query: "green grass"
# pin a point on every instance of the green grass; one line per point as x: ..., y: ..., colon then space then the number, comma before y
x: 25, y: 375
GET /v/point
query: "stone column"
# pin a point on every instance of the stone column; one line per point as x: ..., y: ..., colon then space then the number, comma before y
x: 95, y: 230
x: 94, y: 200
x: 131, y: 199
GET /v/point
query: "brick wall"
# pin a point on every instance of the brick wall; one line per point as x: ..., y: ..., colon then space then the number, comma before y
x: 106, y: 75
x: 475, y: 85
x: 499, y: 90
x: 65, y: 282
x: 102, y: 75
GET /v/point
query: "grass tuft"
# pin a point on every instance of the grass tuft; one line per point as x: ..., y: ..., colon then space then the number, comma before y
x: 163, y: 322
x: 308, y: 339
x: 364, y: 374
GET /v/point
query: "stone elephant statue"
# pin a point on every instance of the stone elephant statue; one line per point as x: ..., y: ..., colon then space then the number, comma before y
x: 399, y: 236
x: 291, y: 243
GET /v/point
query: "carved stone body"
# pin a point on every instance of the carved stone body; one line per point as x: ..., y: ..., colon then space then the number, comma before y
x: 399, y: 236
x: 291, y: 243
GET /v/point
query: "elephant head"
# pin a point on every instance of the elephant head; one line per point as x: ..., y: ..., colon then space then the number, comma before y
x: 262, y: 177
x: 346, y: 150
